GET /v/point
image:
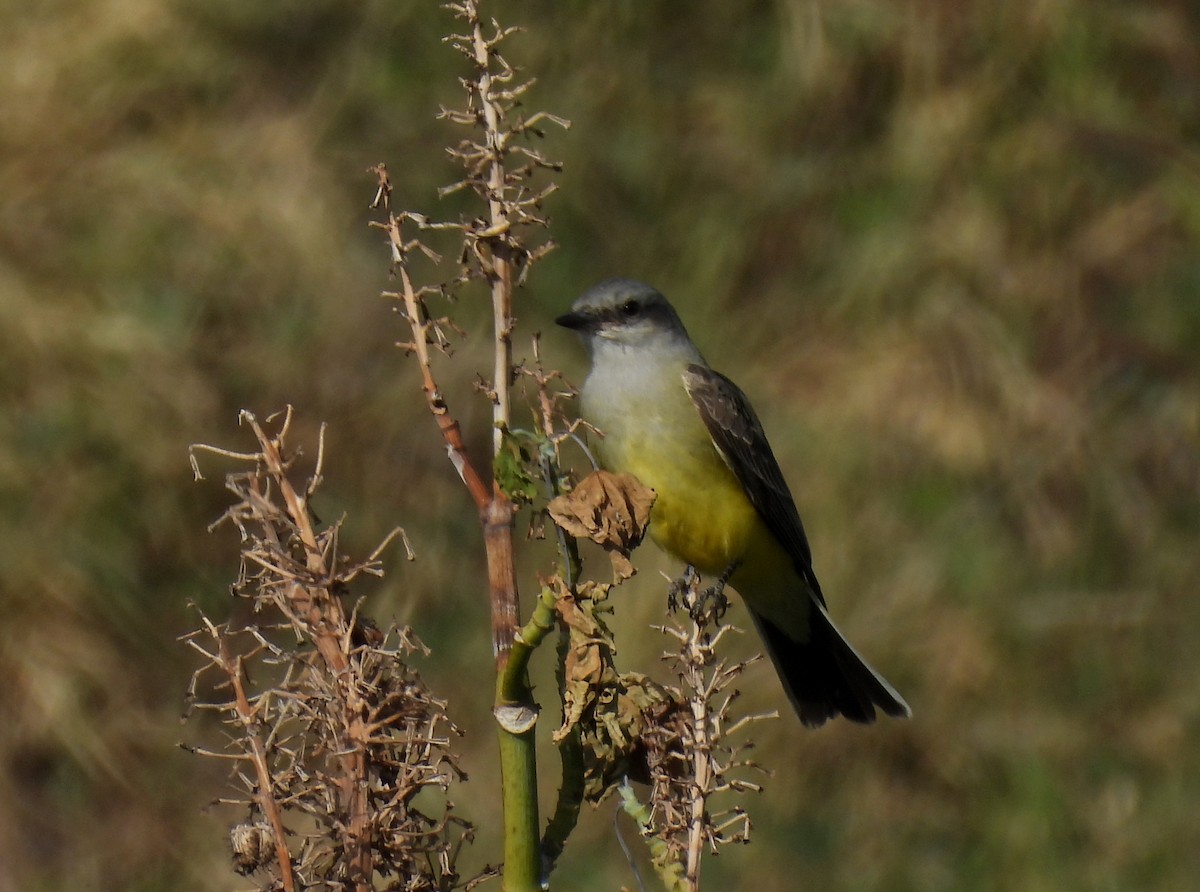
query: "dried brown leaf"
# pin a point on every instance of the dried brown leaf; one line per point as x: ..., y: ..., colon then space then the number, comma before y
x: 613, y: 510
x: 588, y: 660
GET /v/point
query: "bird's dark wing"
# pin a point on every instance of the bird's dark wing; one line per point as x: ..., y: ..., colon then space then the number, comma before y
x: 741, y: 442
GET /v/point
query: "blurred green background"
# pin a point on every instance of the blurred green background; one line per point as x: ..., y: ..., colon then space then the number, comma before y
x: 950, y: 248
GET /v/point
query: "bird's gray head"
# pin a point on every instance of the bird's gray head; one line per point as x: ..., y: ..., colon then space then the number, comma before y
x: 626, y: 313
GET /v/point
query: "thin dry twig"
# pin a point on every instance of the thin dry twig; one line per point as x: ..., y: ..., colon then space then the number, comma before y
x: 496, y: 248
x: 341, y: 732
x: 692, y: 758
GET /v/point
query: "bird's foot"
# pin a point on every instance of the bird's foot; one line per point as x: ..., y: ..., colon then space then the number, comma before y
x: 680, y: 591
x: 709, y: 606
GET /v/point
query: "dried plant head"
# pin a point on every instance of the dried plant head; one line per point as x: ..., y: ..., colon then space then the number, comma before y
x: 333, y: 736
x: 697, y: 752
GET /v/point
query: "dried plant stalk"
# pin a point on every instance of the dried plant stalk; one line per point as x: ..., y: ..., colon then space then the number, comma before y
x: 340, y: 732
x: 694, y: 757
x: 498, y: 247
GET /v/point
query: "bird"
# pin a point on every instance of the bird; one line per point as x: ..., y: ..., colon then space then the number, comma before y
x: 721, y: 505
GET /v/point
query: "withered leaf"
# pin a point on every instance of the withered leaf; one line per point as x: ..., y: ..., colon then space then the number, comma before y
x: 614, y: 736
x: 612, y: 510
x: 612, y: 711
x: 588, y: 660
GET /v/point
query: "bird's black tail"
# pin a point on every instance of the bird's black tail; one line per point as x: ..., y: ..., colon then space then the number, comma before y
x: 825, y: 677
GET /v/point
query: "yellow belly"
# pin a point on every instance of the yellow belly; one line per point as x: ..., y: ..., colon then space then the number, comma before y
x: 713, y: 525
x: 701, y: 514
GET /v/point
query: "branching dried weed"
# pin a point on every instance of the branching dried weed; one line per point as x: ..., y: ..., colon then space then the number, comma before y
x: 698, y: 753
x: 332, y: 735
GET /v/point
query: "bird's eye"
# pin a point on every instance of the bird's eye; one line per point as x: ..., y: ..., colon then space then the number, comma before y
x: 630, y: 308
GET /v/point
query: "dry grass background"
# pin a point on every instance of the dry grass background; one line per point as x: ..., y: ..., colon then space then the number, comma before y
x: 951, y: 248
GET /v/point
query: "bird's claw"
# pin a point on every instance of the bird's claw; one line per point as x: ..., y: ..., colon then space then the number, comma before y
x: 703, y: 607
x: 709, y: 605
x: 678, y: 591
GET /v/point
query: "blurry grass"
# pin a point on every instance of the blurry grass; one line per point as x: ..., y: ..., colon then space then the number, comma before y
x: 950, y: 249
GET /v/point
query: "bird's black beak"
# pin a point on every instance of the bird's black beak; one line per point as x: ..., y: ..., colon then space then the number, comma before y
x: 573, y: 321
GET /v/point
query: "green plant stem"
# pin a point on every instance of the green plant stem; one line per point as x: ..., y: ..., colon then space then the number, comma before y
x: 518, y: 777
x: 570, y: 750
x: 570, y: 793
x: 517, y: 716
x: 670, y: 870
x: 523, y: 868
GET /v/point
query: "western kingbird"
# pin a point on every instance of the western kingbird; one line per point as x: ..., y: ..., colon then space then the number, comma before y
x: 722, y: 505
